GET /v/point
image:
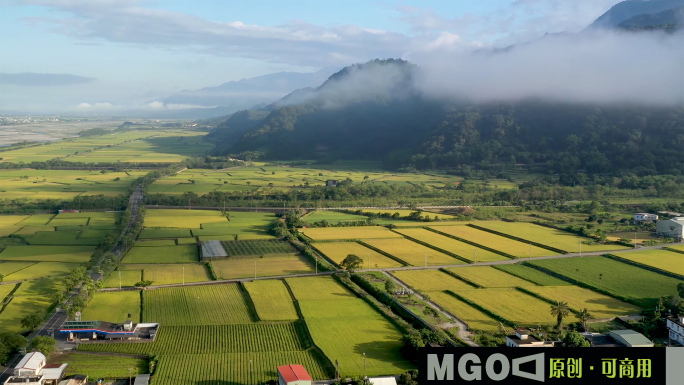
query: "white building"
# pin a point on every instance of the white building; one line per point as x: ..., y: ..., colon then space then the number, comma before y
x: 676, y: 327
x: 30, y: 365
x: 523, y: 339
x: 640, y: 217
x: 671, y: 228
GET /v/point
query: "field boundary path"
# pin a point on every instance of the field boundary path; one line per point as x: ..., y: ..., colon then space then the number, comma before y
x: 463, y: 332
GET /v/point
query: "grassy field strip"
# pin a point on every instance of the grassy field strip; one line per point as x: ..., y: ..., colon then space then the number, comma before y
x: 7, y: 230
x: 430, y: 280
x: 271, y: 300
x: 186, y: 219
x: 511, y: 304
x: 474, y: 318
x: 331, y: 216
x: 162, y: 254
x: 332, y: 315
x: 487, y: 276
x: 234, y: 368
x: 338, y: 251
x: 554, y: 239
x: 47, y: 253
x: 148, y: 233
x: 156, y: 242
x: 37, y: 220
x: 167, y: 274
x: 242, y: 248
x: 128, y: 277
x: 40, y: 286
x: 11, y: 220
x: 663, y: 260
x: 7, y: 268
x: 677, y: 249
x: 5, y: 290
x: 411, y: 252
x: 113, y: 307
x: 599, y: 305
x: 30, y: 230
x: 468, y: 252
x: 617, y: 279
x: 98, y: 366
x: 196, y: 305
x: 42, y: 269
x: 493, y: 242
x: 343, y: 233
x: 18, y: 308
x: 272, y: 265
x: 531, y: 275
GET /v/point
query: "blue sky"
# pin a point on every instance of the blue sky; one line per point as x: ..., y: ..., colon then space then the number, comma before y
x: 138, y: 51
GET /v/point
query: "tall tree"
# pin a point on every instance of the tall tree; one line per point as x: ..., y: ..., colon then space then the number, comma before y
x: 351, y: 262
x: 560, y: 310
x: 583, y: 316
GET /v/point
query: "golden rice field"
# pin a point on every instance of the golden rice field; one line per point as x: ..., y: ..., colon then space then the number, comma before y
x: 128, y: 278
x: 513, y: 305
x: 559, y: 239
x: 462, y: 249
x: 317, y: 288
x: 338, y: 251
x: 660, y: 259
x: 431, y: 224
x: 42, y: 269
x: 430, y: 280
x: 5, y: 290
x: 493, y: 241
x: 47, y: 253
x: 678, y: 247
x: 475, y: 319
x: 361, y: 232
x: 487, y: 276
x: 271, y: 300
x: 599, y: 305
x: 7, y: 268
x: 412, y: 253
x: 11, y: 220
x: 278, y: 264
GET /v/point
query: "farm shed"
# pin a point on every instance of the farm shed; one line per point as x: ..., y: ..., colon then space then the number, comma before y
x: 53, y: 373
x: 331, y: 183
x: 293, y: 375
x: 630, y: 338
x: 213, y: 250
x: 673, y: 228
x: 142, y: 379
x: 640, y: 217
x: 30, y: 365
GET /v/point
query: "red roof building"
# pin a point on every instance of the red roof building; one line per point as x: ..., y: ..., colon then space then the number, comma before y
x: 293, y: 375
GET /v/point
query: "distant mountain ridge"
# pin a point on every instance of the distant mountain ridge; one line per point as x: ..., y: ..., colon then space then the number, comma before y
x: 628, y: 9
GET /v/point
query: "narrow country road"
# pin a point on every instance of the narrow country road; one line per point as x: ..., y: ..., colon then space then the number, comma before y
x: 463, y: 333
x: 59, y: 316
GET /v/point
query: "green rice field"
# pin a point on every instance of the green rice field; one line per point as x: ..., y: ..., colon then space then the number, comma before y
x: 640, y: 285
x: 474, y: 318
x: 166, y: 274
x: 47, y: 253
x: 42, y: 269
x: 247, y: 248
x: 100, y: 366
x: 269, y: 266
x: 128, y: 277
x: 18, y: 308
x: 333, y: 321
x: 40, y: 286
x: 113, y: 307
x: 532, y: 275
x: 513, y: 305
x: 271, y: 300
x: 340, y: 233
x: 430, y: 280
x: 162, y: 254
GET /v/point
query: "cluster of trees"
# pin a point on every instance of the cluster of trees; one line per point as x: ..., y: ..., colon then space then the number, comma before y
x: 11, y: 343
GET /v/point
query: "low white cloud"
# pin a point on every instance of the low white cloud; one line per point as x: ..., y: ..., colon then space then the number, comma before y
x: 156, y: 105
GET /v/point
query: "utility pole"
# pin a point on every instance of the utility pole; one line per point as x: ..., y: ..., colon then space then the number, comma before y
x: 254, y: 274
x: 530, y: 250
x: 183, y: 275
x: 580, y: 247
x: 119, y: 279
x: 475, y: 254
x: 425, y: 254
x: 316, y: 264
x: 364, y: 368
x: 368, y: 255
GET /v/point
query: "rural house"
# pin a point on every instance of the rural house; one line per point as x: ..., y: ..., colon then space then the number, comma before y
x: 641, y: 217
x: 331, y: 183
x: 293, y: 375
x: 675, y: 325
x: 524, y: 339
x: 30, y: 365
x: 671, y: 228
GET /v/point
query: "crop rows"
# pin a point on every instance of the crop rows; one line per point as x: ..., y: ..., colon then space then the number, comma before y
x: 271, y: 300
x: 214, y: 339
x: 241, y: 248
x: 200, y: 305
x: 102, y: 366
x: 236, y: 368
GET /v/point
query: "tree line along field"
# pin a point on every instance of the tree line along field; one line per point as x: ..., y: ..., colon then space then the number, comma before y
x: 137, y: 146
x: 64, y: 184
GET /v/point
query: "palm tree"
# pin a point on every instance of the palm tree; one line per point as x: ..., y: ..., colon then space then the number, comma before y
x: 584, y: 316
x: 560, y: 310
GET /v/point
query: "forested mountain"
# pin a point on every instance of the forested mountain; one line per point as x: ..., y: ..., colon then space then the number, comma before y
x: 391, y: 121
x: 670, y: 20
